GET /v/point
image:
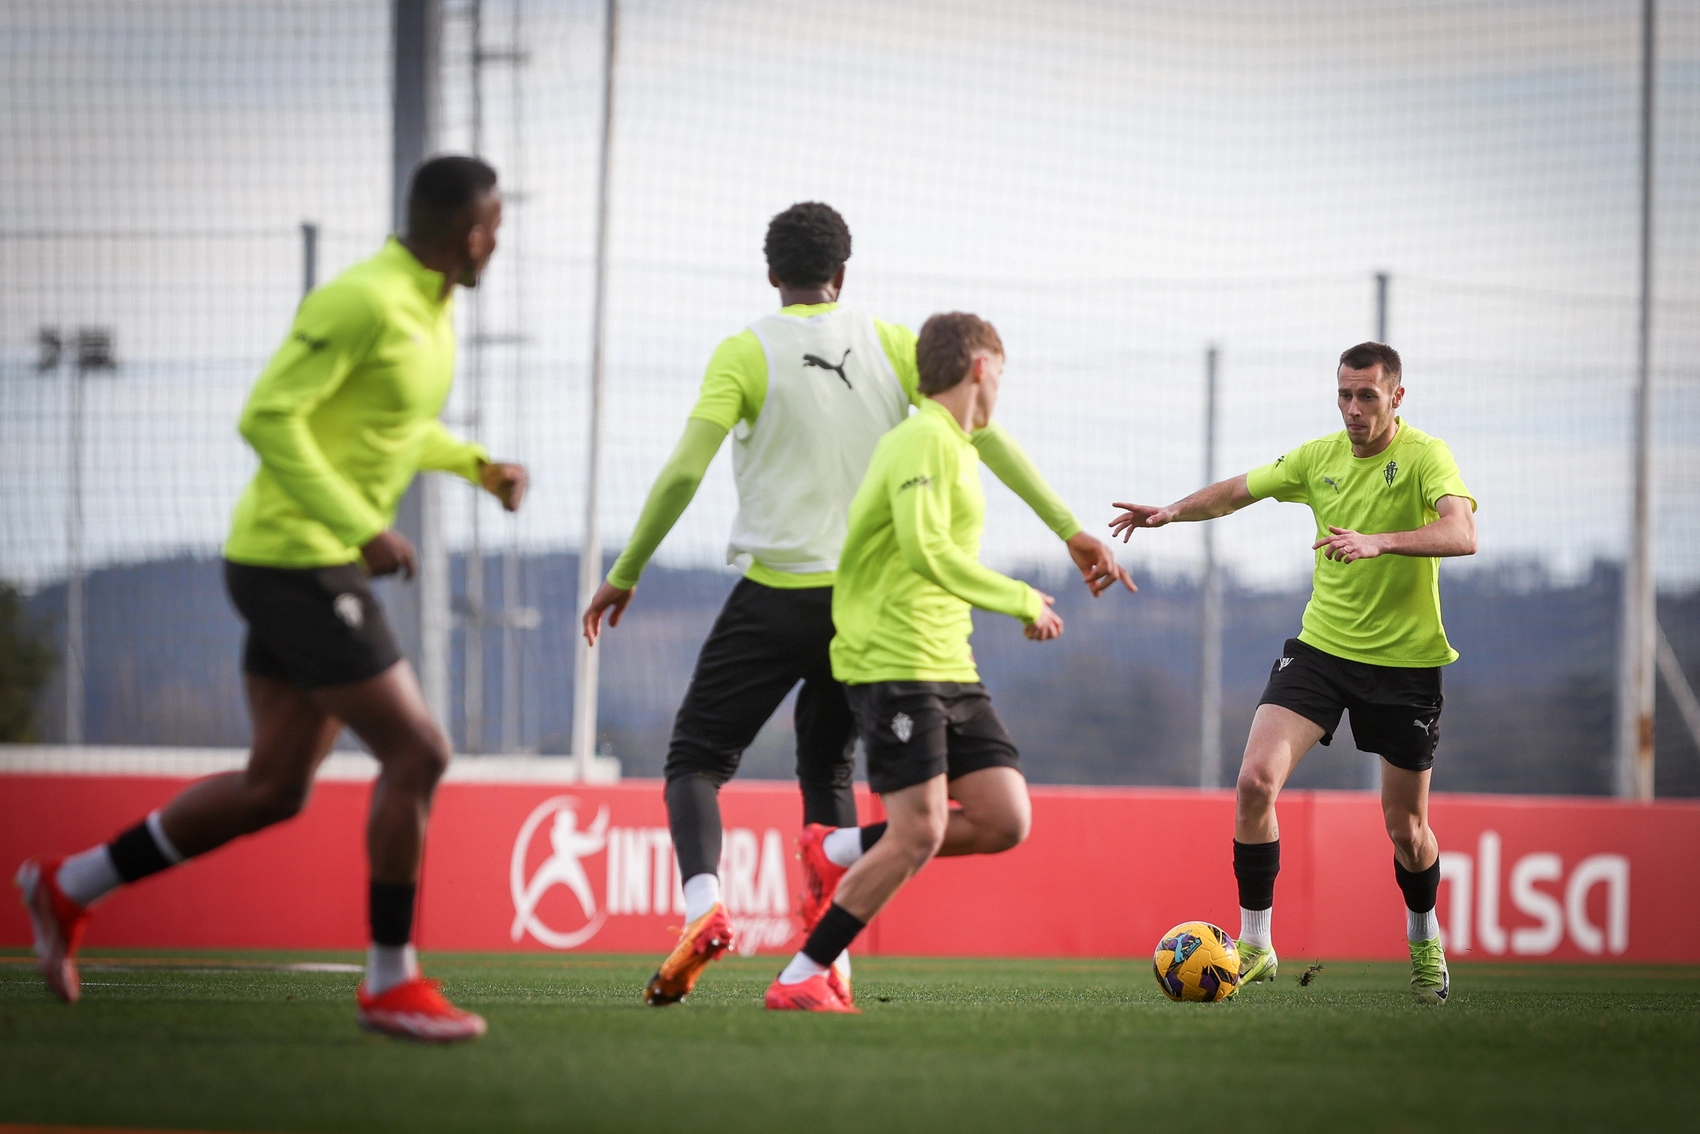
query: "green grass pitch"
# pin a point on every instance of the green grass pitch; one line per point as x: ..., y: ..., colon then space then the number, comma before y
x: 205, y: 1041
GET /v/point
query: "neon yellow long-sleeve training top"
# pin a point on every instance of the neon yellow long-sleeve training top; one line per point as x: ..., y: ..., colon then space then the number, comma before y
x: 346, y: 413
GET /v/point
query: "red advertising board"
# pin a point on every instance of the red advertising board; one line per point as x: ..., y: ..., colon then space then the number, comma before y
x: 539, y: 866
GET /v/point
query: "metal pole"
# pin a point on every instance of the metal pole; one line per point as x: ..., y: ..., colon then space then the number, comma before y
x: 1381, y: 307
x: 309, y: 257
x: 473, y: 624
x: 1210, y: 630
x: 74, y: 705
x: 422, y: 610
x: 511, y: 740
x: 1372, y: 763
x: 590, y: 548
x: 1633, y: 758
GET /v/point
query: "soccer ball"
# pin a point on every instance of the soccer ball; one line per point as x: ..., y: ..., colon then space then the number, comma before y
x: 1197, y: 961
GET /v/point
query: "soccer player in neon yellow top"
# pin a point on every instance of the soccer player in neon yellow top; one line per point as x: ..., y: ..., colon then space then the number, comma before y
x: 1389, y: 505
x: 806, y: 393
x: 908, y: 580
x: 342, y: 419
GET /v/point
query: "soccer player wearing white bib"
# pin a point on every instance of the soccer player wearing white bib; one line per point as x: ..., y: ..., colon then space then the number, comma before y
x: 806, y: 393
x: 1389, y: 505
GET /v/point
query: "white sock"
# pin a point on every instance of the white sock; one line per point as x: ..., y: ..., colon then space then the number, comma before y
x: 843, y: 964
x: 843, y: 846
x: 1254, y: 927
x: 88, y: 877
x: 702, y: 893
x: 389, y: 965
x: 800, y: 969
x: 1421, y: 926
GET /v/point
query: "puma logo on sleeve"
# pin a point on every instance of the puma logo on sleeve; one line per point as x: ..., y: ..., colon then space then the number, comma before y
x: 836, y: 368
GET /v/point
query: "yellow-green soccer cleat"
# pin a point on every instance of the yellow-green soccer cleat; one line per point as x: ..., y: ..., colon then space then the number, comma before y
x: 1257, y: 962
x: 1429, y: 980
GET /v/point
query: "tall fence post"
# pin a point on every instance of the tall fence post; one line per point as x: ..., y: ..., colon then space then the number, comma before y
x: 586, y: 662
x: 309, y: 257
x: 422, y: 610
x: 1638, y: 644
x: 1210, y: 602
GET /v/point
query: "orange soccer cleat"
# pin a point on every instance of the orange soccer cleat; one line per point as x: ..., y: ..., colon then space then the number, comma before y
x: 820, y: 874
x: 840, y: 984
x: 416, y: 1009
x: 704, y: 940
x: 57, y: 922
x: 817, y: 994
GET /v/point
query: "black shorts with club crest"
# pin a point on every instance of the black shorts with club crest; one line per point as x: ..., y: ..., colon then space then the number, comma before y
x: 310, y: 626
x: 915, y: 730
x: 1395, y: 710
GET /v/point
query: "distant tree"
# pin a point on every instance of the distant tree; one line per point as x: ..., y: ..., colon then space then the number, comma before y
x: 26, y: 663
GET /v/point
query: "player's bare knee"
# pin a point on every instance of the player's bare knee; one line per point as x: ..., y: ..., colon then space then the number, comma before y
x: 420, y: 761
x: 274, y: 801
x: 1406, y: 831
x: 1007, y: 831
x: 1257, y: 788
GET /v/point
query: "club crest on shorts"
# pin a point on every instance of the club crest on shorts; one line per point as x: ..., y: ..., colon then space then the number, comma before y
x: 1391, y: 471
x: 348, y: 608
x: 903, y: 727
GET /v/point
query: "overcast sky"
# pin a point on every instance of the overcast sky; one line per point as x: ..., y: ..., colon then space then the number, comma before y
x: 1117, y: 186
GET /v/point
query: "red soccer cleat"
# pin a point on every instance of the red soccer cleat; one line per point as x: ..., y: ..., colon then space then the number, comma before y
x: 416, y: 1009
x: 57, y: 922
x: 704, y: 940
x: 820, y: 874
x: 817, y: 994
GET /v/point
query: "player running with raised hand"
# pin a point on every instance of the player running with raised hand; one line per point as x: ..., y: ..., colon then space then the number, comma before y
x: 806, y: 393
x: 908, y: 579
x: 1389, y: 505
x: 341, y: 419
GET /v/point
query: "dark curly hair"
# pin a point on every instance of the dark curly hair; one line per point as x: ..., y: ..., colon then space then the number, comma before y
x: 807, y: 244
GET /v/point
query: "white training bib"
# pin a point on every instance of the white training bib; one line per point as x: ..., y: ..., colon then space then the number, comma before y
x: 831, y: 395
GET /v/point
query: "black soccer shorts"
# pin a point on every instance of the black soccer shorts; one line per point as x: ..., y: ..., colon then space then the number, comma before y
x: 765, y: 640
x: 915, y: 730
x: 1395, y: 710
x: 310, y: 627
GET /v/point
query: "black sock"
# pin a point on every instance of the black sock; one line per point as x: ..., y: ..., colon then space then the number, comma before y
x: 871, y: 835
x: 136, y: 854
x: 693, y: 814
x: 832, y: 935
x: 390, y: 907
x: 1421, y: 887
x: 1255, y: 866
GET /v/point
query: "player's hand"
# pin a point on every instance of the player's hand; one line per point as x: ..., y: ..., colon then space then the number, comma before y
x: 389, y: 552
x: 504, y: 481
x: 1048, y: 625
x: 1137, y: 516
x: 1346, y: 545
x: 1097, y: 563
x: 610, y: 600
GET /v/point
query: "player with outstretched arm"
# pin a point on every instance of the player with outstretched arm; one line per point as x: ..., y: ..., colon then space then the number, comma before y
x: 806, y: 393
x: 1389, y: 505
x: 341, y: 419
x: 908, y: 578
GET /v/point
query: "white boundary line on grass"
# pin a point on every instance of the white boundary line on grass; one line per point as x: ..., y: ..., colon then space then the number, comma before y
x: 178, y: 763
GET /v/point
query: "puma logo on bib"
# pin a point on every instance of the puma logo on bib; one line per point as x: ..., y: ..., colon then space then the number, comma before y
x: 837, y: 368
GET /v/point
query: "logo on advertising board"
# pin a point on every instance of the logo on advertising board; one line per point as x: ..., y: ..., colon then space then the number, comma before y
x: 1475, y: 916
x: 563, y: 896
